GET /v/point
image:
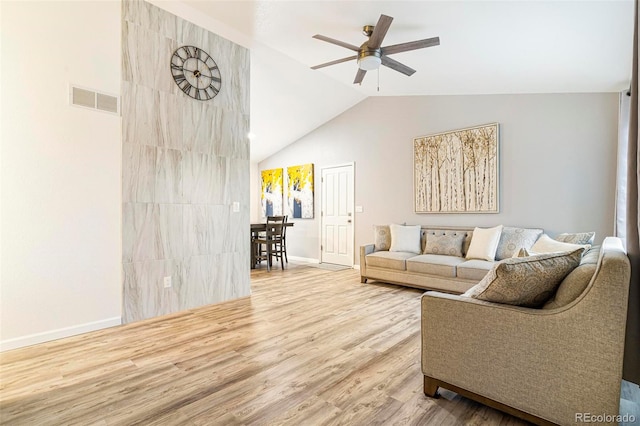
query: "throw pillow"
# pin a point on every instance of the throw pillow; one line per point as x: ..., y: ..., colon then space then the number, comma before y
x: 591, y: 255
x: 467, y: 242
x: 381, y: 237
x: 512, y: 239
x: 545, y: 244
x: 525, y: 281
x: 444, y: 242
x: 405, y: 238
x: 484, y: 243
x: 577, y: 238
x: 523, y: 252
x: 572, y: 286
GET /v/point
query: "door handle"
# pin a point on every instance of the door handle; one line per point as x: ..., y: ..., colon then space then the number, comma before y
x: 349, y: 221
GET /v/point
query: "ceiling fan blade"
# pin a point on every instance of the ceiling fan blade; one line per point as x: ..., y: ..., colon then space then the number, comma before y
x: 337, y: 61
x: 379, y: 31
x: 397, y: 66
x: 359, y: 76
x: 338, y: 42
x: 412, y: 45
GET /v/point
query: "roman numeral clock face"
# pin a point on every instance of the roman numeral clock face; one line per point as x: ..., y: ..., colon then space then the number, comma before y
x: 196, y: 73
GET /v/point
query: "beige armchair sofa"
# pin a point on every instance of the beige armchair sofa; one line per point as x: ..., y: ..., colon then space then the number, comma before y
x: 544, y: 365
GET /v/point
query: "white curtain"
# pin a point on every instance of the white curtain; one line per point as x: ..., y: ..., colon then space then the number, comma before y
x: 621, y: 178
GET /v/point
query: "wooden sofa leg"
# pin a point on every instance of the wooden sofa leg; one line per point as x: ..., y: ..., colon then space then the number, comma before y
x: 363, y: 280
x: 430, y: 387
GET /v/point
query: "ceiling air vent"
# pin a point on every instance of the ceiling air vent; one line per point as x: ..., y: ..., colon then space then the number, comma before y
x: 89, y: 98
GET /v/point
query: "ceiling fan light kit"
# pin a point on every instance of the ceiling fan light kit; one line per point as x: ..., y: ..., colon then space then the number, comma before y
x: 370, y: 61
x: 371, y: 54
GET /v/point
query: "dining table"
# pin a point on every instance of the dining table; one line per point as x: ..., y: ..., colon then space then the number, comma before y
x: 256, y: 229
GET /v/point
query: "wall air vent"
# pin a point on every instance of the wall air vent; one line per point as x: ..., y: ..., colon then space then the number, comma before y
x: 81, y: 97
x: 89, y: 98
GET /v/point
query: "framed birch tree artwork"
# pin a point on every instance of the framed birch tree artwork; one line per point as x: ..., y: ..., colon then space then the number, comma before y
x: 457, y: 171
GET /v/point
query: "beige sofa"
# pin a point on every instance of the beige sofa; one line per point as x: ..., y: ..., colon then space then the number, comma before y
x: 451, y: 274
x: 544, y: 365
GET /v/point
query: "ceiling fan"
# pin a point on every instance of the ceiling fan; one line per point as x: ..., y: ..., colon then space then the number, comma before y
x: 370, y: 55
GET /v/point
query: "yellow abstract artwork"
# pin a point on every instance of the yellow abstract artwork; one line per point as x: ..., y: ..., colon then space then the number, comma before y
x: 272, y: 192
x: 300, y: 191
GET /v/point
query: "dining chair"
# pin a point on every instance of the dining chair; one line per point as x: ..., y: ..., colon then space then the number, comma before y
x: 271, y: 242
x: 282, y: 246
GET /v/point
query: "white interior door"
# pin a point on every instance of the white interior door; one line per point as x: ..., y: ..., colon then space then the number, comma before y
x: 336, y: 214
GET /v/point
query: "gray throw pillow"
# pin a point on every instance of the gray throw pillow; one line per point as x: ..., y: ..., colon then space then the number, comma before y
x: 467, y: 242
x: 591, y: 255
x: 577, y: 238
x: 444, y: 242
x: 513, y: 239
x: 523, y: 252
x: 381, y: 237
x: 526, y: 281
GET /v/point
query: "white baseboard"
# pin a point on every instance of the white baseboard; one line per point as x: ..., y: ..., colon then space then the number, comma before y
x: 310, y: 260
x: 47, y: 336
x: 304, y: 259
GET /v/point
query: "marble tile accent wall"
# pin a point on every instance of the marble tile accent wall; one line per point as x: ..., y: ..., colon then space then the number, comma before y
x: 184, y: 162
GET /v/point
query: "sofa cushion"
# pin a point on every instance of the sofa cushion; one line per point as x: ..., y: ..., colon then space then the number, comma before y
x: 484, y: 243
x: 389, y: 259
x: 572, y: 286
x: 513, y: 239
x: 434, y: 264
x: 474, y: 269
x: 546, y: 244
x: 381, y: 237
x: 577, y: 238
x: 526, y: 281
x: 444, y: 242
x: 405, y: 238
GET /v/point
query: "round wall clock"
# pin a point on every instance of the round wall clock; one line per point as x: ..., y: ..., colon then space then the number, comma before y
x: 196, y: 73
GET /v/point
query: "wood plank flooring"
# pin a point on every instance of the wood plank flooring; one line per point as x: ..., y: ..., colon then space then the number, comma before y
x: 309, y: 347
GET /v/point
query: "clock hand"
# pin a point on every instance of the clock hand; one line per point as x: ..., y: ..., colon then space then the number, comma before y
x: 209, y: 76
x: 213, y: 78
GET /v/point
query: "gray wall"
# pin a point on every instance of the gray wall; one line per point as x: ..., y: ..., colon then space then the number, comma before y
x: 558, y: 154
x: 184, y: 163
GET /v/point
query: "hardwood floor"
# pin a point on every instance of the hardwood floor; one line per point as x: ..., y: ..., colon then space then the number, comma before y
x: 309, y: 347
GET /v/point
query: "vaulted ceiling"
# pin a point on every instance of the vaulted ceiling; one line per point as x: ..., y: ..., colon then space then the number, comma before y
x: 486, y: 47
